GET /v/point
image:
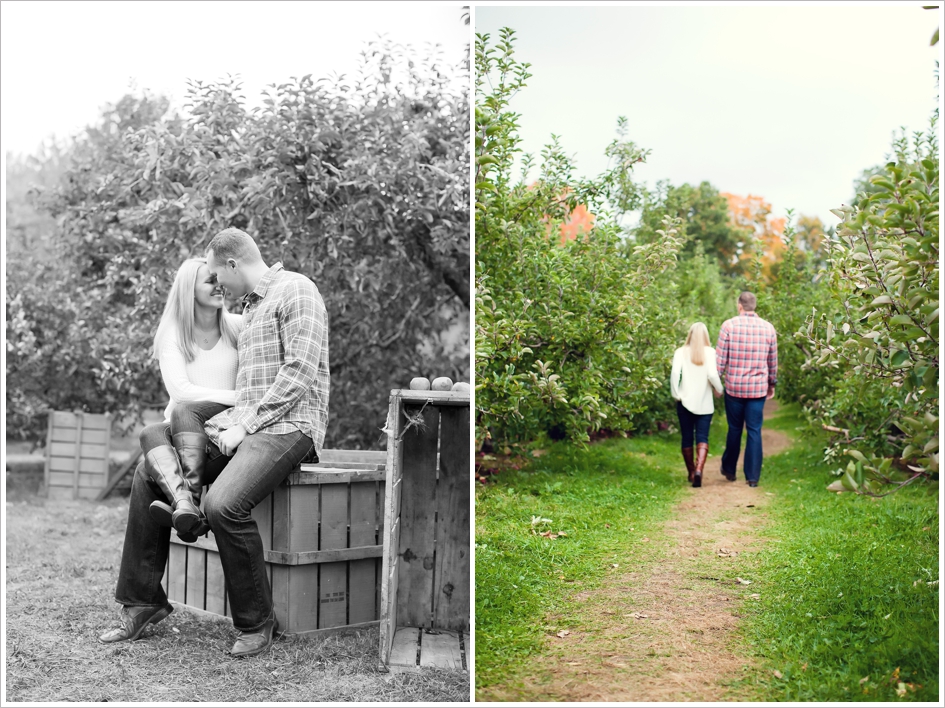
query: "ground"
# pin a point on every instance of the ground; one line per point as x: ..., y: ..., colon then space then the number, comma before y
x: 666, y: 630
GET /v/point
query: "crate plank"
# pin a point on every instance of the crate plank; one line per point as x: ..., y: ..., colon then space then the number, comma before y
x: 87, y: 480
x: 404, y: 648
x: 303, y: 598
x: 452, y: 575
x: 318, y: 475
x: 441, y: 650
x: 68, y: 449
x: 440, y: 398
x: 67, y: 464
x: 89, y: 437
x: 415, y: 595
x: 196, y: 592
x: 177, y: 572
x: 216, y: 587
x: 362, y: 576
x: 332, y: 585
x: 90, y: 421
x: 334, y: 455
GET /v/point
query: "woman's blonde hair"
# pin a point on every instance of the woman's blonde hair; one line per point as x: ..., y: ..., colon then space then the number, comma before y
x: 696, y: 342
x: 178, y: 316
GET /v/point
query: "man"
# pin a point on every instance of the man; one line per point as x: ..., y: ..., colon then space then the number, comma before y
x: 279, y: 420
x: 747, y: 358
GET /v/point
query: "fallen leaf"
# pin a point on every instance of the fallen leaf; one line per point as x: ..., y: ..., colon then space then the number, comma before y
x: 560, y: 577
x: 804, y: 668
x: 562, y: 534
x: 644, y: 540
x: 726, y: 553
x: 756, y: 596
x: 901, y: 689
x: 563, y: 633
x: 175, y: 630
x: 574, y: 663
x: 895, y: 676
x: 638, y: 615
x: 777, y: 674
x: 925, y: 528
x: 606, y: 526
x: 538, y: 453
x: 864, y: 680
x: 614, y: 565
x: 741, y: 581
x: 749, y: 506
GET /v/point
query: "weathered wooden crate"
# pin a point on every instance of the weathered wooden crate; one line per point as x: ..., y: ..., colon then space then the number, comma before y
x: 77, y: 454
x: 425, y: 587
x: 322, y: 531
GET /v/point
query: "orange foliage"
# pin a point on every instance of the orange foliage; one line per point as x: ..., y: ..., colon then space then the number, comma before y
x: 752, y: 214
x: 579, y: 221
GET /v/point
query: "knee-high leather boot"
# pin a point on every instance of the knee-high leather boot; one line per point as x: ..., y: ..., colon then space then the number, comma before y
x: 690, y: 464
x: 702, y: 452
x: 163, y: 466
x: 192, y: 451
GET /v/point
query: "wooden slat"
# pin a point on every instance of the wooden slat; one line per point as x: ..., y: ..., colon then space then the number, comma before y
x: 86, y: 480
x: 90, y: 421
x: 335, y: 555
x: 452, y: 574
x: 89, y: 437
x: 177, y: 572
x: 120, y: 474
x: 417, y: 508
x: 68, y: 449
x: 337, y: 466
x: 303, y: 597
x: 280, y: 595
x: 78, y: 455
x: 67, y: 464
x: 362, y: 578
x: 440, y: 650
x: 333, y: 579
x: 59, y: 493
x: 216, y: 587
x: 403, y: 651
x: 330, y: 455
x: 301, y: 534
x: 333, y: 476
x: 440, y: 398
x: 196, y: 592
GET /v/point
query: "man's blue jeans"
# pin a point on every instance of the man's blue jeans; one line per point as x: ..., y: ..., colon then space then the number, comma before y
x: 743, y: 413
x: 240, y: 482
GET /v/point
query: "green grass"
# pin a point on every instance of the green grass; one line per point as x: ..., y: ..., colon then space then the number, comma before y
x: 595, y: 496
x: 843, y: 588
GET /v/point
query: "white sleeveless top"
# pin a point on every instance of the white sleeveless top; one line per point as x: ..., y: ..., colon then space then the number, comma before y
x: 690, y: 384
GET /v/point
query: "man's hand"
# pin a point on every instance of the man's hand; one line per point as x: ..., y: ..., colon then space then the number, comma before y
x: 231, y: 438
x: 770, y: 393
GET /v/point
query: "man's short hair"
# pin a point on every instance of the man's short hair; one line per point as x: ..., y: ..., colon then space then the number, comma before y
x: 236, y: 244
x: 748, y: 301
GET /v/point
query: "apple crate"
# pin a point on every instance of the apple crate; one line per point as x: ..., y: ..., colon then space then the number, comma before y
x: 425, y: 589
x: 77, y: 454
x: 321, y: 530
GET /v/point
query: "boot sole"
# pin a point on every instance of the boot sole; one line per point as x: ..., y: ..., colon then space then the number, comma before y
x: 162, y: 513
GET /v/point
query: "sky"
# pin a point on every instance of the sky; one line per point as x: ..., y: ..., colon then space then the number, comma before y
x: 63, y: 61
x: 790, y: 103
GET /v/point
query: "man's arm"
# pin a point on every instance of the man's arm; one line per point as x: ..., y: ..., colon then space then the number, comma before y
x: 304, y: 333
x: 721, y: 350
x: 772, y: 363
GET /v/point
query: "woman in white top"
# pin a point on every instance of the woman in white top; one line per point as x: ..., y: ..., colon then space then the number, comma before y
x: 693, y: 376
x: 195, y: 345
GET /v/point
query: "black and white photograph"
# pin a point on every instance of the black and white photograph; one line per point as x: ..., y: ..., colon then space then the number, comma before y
x: 237, y: 379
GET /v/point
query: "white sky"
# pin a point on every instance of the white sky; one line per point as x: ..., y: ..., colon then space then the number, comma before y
x: 787, y: 102
x: 63, y: 61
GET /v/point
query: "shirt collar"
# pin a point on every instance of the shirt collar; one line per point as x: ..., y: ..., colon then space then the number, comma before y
x: 749, y: 314
x: 262, y: 287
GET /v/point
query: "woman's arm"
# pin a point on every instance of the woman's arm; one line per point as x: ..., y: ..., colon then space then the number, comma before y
x: 713, y: 371
x: 179, y: 386
x: 675, y: 375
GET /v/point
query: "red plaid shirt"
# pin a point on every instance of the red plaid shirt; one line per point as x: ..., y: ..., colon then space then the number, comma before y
x: 282, y: 379
x: 747, y: 356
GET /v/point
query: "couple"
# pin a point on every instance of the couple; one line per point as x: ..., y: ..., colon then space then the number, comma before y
x: 747, y: 357
x: 249, y: 402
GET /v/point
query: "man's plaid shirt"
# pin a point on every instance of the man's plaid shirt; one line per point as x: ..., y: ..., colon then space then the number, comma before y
x: 747, y: 356
x: 282, y: 379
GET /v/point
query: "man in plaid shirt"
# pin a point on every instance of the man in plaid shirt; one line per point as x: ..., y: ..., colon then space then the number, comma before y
x: 747, y: 358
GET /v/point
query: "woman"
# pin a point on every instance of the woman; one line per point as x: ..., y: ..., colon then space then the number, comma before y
x: 195, y: 345
x: 693, y: 371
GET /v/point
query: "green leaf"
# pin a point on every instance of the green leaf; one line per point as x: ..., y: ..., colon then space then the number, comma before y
x: 900, y: 320
x: 898, y: 357
x: 857, y: 455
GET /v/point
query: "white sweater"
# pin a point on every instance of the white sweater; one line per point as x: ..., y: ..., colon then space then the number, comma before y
x: 211, y: 376
x: 690, y: 383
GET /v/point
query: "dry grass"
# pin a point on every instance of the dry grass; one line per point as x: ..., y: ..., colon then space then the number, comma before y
x: 62, y: 565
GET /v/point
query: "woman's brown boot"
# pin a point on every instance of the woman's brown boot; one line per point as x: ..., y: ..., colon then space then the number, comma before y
x: 702, y: 452
x: 690, y: 465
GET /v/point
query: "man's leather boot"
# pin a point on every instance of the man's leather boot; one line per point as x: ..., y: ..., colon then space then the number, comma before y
x: 163, y: 467
x: 690, y: 464
x: 252, y: 643
x: 702, y: 452
x: 192, y: 452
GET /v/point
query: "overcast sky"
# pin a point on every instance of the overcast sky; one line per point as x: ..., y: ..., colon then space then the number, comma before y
x: 63, y: 61
x: 787, y: 102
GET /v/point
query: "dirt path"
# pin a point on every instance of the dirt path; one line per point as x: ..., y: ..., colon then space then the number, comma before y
x: 664, y: 631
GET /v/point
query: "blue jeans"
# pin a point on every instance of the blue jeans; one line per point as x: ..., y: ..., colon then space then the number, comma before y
x: 689, y: 421
x: 240, y: 482
x: 742, y: 413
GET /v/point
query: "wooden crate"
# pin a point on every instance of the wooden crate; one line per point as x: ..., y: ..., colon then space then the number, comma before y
x: 425, y: 588
x: 321, y: 531
x: 77, y: 453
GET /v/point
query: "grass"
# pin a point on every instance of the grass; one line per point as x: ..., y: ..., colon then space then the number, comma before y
x: 62, y: 565
x: 846, y: 612
x: 604, y: 498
